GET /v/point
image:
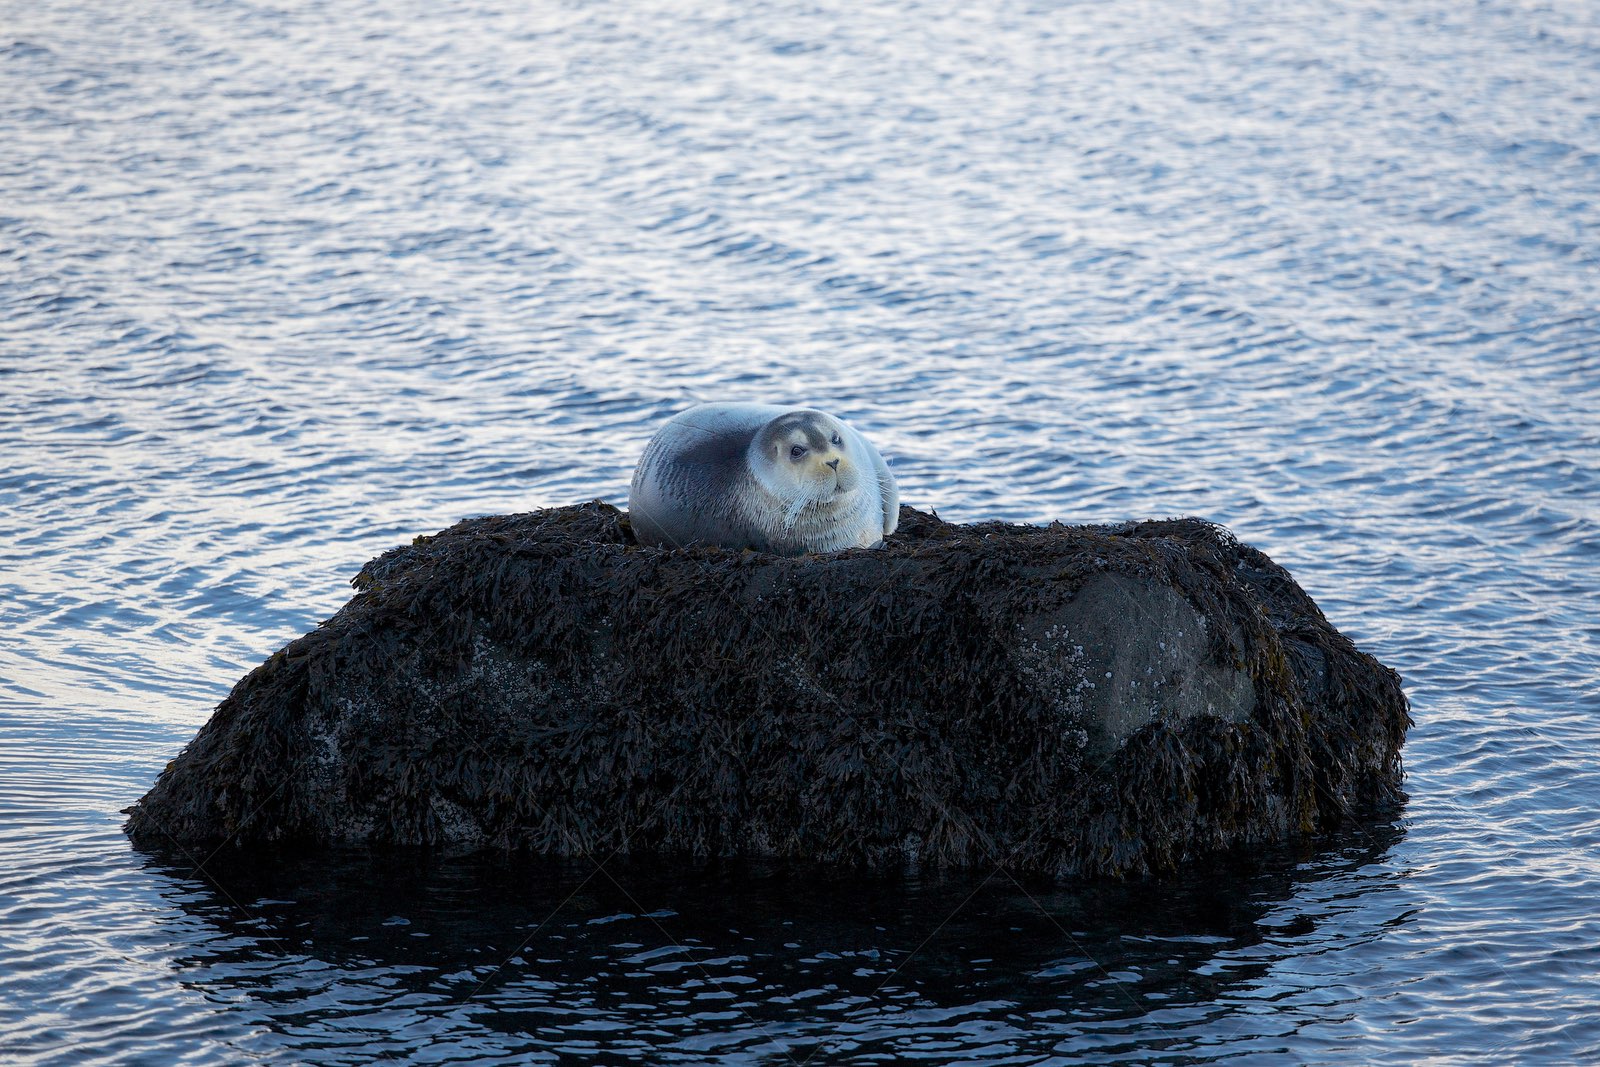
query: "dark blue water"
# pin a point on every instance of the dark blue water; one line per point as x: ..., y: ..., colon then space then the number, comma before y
x: 283, y: 286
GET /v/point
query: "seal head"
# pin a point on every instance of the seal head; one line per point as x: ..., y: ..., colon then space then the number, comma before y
x: 763, y: 477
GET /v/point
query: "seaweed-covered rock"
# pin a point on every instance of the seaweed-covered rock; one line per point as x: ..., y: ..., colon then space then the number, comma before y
x: 1104, y: 700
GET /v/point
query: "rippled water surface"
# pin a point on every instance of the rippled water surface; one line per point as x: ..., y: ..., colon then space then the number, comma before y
x: 284, y: 285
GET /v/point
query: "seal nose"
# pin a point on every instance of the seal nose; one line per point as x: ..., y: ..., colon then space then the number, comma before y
x: 834, y: 464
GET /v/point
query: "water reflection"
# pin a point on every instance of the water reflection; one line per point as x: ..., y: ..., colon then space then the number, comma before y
x: 282, y: 290
x: 680, y: 960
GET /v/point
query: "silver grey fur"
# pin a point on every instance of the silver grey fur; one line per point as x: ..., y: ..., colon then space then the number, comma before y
x: 710, y: 477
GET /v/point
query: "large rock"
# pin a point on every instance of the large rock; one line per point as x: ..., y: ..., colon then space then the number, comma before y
x: 1070, y: 700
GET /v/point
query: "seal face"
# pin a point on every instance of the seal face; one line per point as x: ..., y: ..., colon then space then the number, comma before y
x: 775, y: 479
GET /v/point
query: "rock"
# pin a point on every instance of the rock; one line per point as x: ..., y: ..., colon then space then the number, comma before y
x: 1090, y: 700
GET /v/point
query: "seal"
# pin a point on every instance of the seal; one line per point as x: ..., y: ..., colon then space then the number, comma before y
x: 760, y: 476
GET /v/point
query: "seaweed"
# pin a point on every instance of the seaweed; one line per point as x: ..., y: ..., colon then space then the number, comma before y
x: 541, y: 682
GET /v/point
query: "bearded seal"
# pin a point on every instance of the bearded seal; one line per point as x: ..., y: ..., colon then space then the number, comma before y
x: 775, y: 479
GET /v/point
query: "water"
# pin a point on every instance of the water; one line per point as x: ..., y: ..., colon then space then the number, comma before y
x: 285, y: 286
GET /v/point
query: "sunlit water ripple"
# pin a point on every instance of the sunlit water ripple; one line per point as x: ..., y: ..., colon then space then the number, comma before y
x: 284, y: 287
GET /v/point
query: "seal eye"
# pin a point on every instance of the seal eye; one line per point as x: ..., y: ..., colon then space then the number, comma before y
x: 797, y: 451
x: 836, y: 440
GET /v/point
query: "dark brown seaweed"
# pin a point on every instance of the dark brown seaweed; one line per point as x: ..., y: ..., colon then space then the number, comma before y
x: 964, y: 695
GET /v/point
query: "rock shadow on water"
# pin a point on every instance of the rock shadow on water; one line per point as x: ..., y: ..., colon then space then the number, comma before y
x: 696, y: 960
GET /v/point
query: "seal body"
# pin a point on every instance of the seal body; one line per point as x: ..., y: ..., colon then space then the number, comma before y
x: 760, y: 476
